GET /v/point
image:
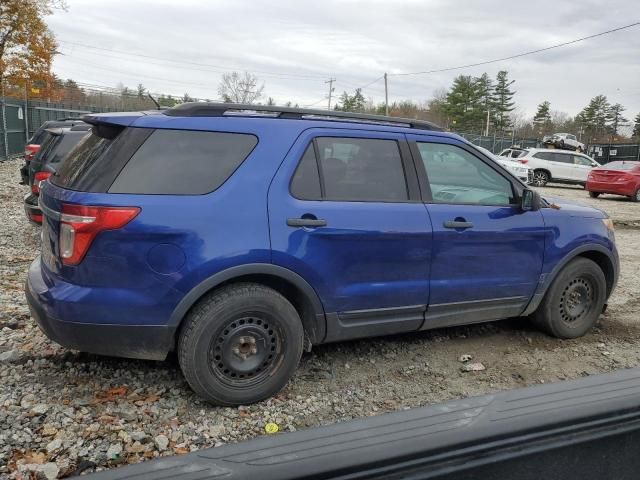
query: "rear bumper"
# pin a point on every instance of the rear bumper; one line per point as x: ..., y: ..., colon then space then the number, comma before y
x: 623, y: 188
x: 150, y: 342
x: 31, y: 209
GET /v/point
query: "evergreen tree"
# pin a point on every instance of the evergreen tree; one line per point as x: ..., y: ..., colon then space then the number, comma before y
x: 352, y: 103
x: 615, y: 118
x: 463, y: 104
x: 542, y: 118
x: 595, y: 116
x: 503, y: 100
x: 636, y: 127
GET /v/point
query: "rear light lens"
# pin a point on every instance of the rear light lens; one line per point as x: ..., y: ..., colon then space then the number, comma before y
x: 524, y: 161
x: 38, y: 178
x: 29, y: 151
x: 79, y: 225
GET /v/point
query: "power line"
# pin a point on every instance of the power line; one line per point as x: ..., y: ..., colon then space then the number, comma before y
x: 531, y: 52
x: 185, y: 62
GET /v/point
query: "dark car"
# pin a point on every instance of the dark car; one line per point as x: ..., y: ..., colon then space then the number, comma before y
x: 57, y: 142
x: 241, y: 235
x: 38, y: 138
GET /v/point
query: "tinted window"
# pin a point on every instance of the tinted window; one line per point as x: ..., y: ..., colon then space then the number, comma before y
x: 357, y: 169
x: 622, y: 165
x: 571, y: 137
x: 64, y: 145
x: 305, y: 184
x: 457, y: 176
x: 48, y: 143
x: 80, y: 160
x: 562, y: 158
x: 182, y: 162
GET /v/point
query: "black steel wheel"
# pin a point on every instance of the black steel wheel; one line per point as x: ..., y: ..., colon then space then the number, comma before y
x: 574, y: 300
x: 240, y: 344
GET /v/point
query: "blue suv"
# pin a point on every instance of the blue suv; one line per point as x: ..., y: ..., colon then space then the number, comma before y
x: 239, y: 236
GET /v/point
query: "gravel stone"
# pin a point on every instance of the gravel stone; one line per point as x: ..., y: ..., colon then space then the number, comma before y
x: 162, y: 442
x: 9, y: 356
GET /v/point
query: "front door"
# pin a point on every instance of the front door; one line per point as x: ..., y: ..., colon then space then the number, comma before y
x: 345, y: 214
x: 487, y: 253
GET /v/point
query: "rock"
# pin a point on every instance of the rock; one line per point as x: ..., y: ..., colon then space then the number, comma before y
x: 53, y: 445
x: 138, y: 436
x: 27, y: 400
x: 50, y: 470
x: 465, y: 358
x: 114, y: 451
x: 217, y: 430
x: 40, y: 409
x: 162, y: 442
x: 473, y: 367
x: 9, y: 356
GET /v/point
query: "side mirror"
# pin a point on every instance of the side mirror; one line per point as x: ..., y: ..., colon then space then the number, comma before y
x: 529, y: 201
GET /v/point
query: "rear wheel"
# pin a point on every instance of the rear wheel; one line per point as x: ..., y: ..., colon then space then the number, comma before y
x: 594, y: 194
x: 240, y: 345
x: 636, y: 196
x: 573, y: 301
x: 540, y: 178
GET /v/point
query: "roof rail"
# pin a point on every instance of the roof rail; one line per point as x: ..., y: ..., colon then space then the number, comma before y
x: 208, y: 109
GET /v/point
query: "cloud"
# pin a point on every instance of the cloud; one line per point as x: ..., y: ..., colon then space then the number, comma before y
x: 294, y: 46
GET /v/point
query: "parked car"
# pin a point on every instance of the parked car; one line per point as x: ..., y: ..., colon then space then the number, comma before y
x: 564, y: 141
x: 524, y: 173
x: 240, y: 236
x: 33, y: 144
x: 558, y: 166
x: 619, y: 178
x: 56, y: 144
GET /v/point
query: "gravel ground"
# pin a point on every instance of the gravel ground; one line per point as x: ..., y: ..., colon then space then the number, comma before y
x: 63, y: 412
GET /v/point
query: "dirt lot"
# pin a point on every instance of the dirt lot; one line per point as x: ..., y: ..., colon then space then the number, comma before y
x: 62, y: 411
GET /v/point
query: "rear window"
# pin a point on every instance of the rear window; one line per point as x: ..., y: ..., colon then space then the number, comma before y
x: 622, y: 165
x: 48, y: 142
x: 64, y: 146
x: 181, y: 162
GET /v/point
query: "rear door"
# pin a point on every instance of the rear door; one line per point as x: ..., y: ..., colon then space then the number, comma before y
x: 345, y: 214
x: 581, y: 167
x: 487, y: 252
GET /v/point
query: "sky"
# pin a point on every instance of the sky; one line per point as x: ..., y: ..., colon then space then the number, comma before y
x: 295, y: 46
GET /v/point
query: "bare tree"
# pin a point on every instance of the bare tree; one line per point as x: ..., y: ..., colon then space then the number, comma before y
x: 237, y: 88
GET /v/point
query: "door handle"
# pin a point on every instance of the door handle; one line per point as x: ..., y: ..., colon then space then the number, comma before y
x: 306, y: 222
x: 457, y: 224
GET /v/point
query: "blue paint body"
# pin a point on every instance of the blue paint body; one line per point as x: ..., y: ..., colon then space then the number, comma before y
x: 370, y: 256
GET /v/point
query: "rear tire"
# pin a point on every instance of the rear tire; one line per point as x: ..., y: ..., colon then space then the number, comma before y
x: 540, y: 178
x: 573, y: 301
x: 594, y: 194
x: 240, y: 344
x: 636, y: 196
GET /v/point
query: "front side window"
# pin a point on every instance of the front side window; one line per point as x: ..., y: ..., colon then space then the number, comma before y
x: 352, y: 170
x: 578, y: 160
x: 455, y: 176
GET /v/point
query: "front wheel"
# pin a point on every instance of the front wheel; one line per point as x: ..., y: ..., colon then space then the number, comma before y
x: 540, y: 178
x: 573, y: 301
x: 594, y: 194
x: 240, y: 344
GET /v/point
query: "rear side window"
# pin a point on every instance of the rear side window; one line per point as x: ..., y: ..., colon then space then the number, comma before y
x: 182, y: 162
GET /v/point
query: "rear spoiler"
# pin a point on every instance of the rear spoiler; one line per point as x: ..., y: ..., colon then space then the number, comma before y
x: 579, y: 429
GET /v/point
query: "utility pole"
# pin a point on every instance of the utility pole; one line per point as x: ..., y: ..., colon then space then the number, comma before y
x: 330, y: 82
x: 386, y: 96
x: 486, y: 130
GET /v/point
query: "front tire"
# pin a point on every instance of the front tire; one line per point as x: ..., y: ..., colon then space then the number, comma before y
x: 594, y: 194
x: 573, y: 301
x: 240, y: 344
x: 540, y: 178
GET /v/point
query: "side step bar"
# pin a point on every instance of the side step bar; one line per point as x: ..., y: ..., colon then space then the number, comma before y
x: 579, y: 429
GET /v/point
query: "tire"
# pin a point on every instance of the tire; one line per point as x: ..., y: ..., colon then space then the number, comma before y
x: 594, y: 194
x: 573, y: 301
x: 540, y: 178
x: 636, y: 196
x: 240, y: 344
x: 562, y: 144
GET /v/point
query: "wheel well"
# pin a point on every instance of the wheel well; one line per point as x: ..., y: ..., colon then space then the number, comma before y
x: 605, y: 265
x: 300, y: 301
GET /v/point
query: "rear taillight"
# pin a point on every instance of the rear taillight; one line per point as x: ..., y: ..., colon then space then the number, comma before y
x: 80, y: 224
x: 29, y: 151
x: 524, y: 161
x: 38, y: 178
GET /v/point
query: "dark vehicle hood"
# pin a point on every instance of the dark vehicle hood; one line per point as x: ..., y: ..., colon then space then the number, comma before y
x: 575, y: 209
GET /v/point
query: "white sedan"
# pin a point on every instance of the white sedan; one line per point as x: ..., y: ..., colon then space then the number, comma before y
x: 524, y: 173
